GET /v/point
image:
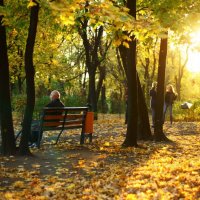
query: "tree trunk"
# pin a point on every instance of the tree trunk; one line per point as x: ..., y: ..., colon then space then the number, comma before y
x: 102, y: 76
x: 92, y: 91
x: 129, y: 61
x: 131, y: 134
x: 103, y: 99
x: 144, y: 130
x: 154, y: 61
x: 30, y: 85
x: 6, y: 123
x: 19, y: 78
x: 158, y: 129
x: 91, y: 44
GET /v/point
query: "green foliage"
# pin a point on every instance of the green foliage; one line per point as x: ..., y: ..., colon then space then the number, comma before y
x: 103, y: 108
x: 74, y: 100
x: 39, y: 104
x: 18, y: 104
x: 59, y: 57
x: 116, y: 104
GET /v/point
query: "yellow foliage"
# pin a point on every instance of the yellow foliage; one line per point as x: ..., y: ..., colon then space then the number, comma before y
x: 18, y: 184
x: 117, y: 42
x: 67, y: 19
x: 9, y: 195
x: 31, y: 4
x: 131, y: 197
x: 71, y: 186
x: 126, y: 44
x: 106, y: 144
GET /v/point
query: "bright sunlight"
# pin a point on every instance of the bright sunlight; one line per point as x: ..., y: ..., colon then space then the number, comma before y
x: 193, y: 63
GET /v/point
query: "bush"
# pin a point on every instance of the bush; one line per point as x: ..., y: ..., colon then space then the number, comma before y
x: 192, y: 114
x: 74, y: 100
x: 39, y: 104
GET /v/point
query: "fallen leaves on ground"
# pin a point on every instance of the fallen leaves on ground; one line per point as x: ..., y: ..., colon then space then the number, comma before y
x: 105, y: 170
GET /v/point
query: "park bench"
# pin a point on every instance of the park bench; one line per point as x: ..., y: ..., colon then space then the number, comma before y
x: 64, y: 119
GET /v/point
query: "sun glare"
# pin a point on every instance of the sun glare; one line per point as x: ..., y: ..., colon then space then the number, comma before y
x: 193, y: 64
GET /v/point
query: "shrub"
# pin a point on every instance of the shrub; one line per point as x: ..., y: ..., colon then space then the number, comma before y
x: 192, y: 114
x: 74, y: 100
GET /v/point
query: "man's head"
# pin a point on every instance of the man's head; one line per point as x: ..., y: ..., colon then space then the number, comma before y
x: 55, y: 95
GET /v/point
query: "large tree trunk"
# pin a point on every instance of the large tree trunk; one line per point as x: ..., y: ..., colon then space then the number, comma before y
x: 129, y: 60
x: 6, y: 124
x: 30, y: 85
x: 132, y: 112
x: 158, y: 129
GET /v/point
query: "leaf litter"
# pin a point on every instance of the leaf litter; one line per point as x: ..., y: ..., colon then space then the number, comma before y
x: 105, y: 170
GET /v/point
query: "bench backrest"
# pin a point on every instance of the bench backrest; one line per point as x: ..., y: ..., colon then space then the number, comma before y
x: 63, y: 118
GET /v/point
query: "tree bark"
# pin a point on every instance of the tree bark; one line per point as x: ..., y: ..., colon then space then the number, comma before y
x: 91, y: 44
x: 144, y: 130
x: 19, y: 79
x: 103, y: 99
x: 102, y: 77
x: 91, y: 61
x: 129, y: 61
x: 6, y: 123
x: 30, y: 85
x: 158, y: 129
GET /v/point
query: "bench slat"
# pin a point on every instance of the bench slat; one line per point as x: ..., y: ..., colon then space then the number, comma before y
x: 63, y: 119
x: 61, y: 128
x: 60, y: 123
x: 69, y: 116
x: 53, y: 117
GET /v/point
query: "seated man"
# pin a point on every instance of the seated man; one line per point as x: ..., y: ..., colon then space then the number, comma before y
x: 55, y: 102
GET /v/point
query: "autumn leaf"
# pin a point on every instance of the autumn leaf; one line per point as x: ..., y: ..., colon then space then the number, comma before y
x: 105, y: 170
x: 18, y: 184
x: 106, y: 144
x: 31, y: 4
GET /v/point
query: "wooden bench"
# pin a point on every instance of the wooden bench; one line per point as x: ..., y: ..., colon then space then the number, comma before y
x: 64, y: 119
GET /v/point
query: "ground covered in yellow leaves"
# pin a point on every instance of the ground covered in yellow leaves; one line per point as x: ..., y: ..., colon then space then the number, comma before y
x: 105, y: 170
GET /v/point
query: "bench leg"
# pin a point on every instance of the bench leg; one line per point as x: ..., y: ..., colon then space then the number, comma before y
x: 39, y: 139
x: 18, y: 134
x: 90, y: 138
x: 82, y: 138
x: 59, y: 136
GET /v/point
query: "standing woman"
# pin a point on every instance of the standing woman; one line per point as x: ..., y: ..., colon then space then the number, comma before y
x: 170, y: 97
x: 153, y: 93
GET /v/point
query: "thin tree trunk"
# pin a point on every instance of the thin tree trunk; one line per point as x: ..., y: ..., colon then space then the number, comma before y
x: 103, y: 99
x: 6, y: 123
x: 19, y: 79
x: 30, y: 85
x: 92, y: 99
x: 158, y: 130
x: 144, y: 130
x: 102, y: 76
